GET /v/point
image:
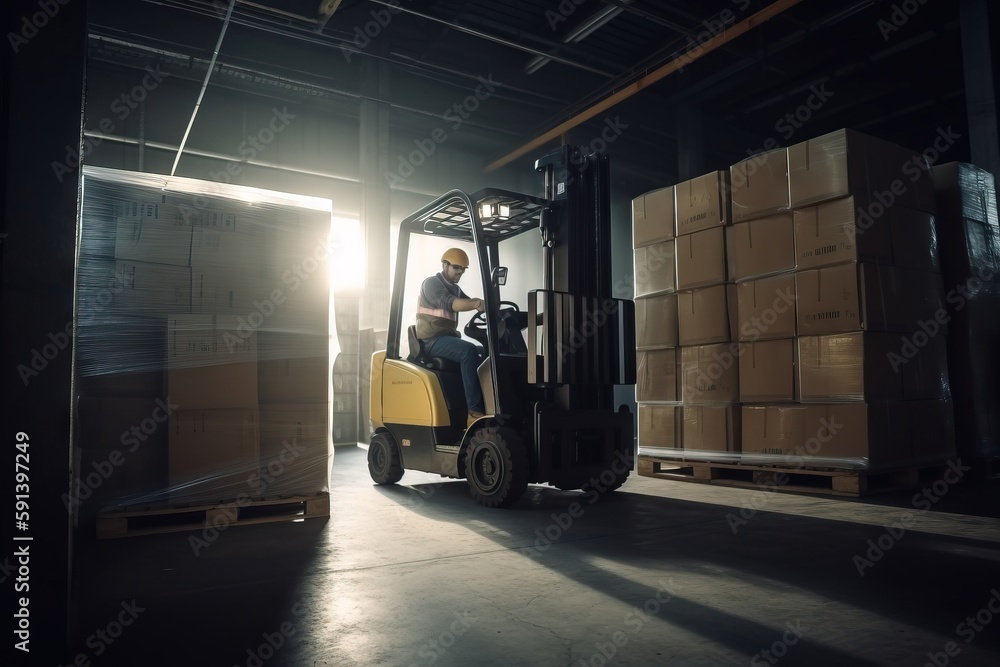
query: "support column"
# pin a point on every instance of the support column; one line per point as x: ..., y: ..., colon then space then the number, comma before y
x: 980, y: 85
x: 375, y: 223
x: 44, y: 60
x: 690, y: 141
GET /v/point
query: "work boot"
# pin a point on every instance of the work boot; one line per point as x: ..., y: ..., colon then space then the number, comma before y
x: 473, y: 416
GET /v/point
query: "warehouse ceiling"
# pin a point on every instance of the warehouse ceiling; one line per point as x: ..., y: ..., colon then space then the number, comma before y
x: 815, y: 67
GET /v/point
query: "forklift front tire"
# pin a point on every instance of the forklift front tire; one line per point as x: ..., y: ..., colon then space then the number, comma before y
x: 384, y: 464
x: 496, y: 467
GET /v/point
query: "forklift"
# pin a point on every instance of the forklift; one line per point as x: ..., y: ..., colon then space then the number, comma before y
x: 548, y: 371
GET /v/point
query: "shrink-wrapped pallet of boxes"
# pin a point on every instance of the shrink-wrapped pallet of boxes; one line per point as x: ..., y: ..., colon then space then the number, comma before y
x: 208, y: 306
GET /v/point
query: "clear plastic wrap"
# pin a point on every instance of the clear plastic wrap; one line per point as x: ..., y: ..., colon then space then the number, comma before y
x: 204, y: 343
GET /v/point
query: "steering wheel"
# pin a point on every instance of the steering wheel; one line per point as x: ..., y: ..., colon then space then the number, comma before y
x: 476, y: 327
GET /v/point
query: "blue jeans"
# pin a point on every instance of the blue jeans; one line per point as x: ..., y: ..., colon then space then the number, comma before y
x: 467, y: 355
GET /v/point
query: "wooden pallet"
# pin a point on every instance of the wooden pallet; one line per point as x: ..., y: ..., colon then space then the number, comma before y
x: 852, y: 483
x: 162, y: 518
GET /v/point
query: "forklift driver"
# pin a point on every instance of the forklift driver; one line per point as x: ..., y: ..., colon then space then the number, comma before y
x: 438, y: 306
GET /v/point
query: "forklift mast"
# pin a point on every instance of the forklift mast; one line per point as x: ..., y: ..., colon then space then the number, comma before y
x: 586, y: 341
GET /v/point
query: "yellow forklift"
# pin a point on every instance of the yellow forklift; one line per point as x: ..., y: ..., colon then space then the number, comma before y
x: 548, y: 371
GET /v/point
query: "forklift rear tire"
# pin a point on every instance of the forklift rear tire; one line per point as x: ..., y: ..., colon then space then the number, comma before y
x: 383, y: 460
x: 496, y: 467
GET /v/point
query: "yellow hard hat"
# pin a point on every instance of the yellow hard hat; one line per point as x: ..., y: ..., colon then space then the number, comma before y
x: 456, y: 256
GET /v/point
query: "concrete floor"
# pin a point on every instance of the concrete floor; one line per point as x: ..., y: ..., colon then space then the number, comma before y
x: 418, y: 574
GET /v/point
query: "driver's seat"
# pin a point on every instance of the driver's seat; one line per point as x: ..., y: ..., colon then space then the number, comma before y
x: 419, y: 356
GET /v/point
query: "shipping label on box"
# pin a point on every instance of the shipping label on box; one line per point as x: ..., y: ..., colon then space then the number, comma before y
x: 654, y: 269
x: 848, y: 297
x: 156, y: 241
x: 707, y: 315
x: 656, y: 321
x: 213, y: 454
x: 848, y: 367
x: 710, y: 374
x: 702, y: 203
x: 653, y: 217
x: 763, y: 247
x: 833, y: 233
x: 767, y: 371
x: 656, y: 375
x: 701, y: 258
x: 766, y: 308
x: 142, y: 288
x: 714, y: 428
x: 760, y: 186
x: 659, y: 425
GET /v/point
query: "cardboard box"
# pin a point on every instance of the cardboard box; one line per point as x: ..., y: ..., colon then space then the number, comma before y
x: 844, y: 163
x: 656, y: 321
x: 295, y: 379
x: 656, y: 376
x: 654, y: 269
x: 123, y: 423
x: 767, y: 371
x: 832, y: 233
x: 932, y: 429
x: 763, y: 247
x: 236, y: 298
x: 710, y: 374
x: 858, y: 435
x: 775, y: 430
x: 918, y: 297
x: 847, y: 297
x: 240, y: 250
x: 155, y: 241
x: 848, y: 367
x: 295, y: 448
x: 701, y: 258
x: 142, y: 288
x: 707, y: 315
x: 653, y: 217
x: 213, y: 454
x: 209, y: 367
x: 766, y: 308
x: 659, y: 425
x: 714, y: 428
x: 702, y: 203
x: 760, y: 186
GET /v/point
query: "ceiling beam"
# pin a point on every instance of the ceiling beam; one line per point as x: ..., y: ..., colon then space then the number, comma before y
x: 717, y: 41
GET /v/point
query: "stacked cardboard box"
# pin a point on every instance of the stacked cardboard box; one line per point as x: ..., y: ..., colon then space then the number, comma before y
x: 864, y: 355
x: 177, y: 290
x: 687, y: 387
x: 969, y: 240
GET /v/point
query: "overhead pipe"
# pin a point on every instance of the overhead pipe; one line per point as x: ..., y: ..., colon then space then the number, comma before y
x: 717, y: 41
x: 204, y: 86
